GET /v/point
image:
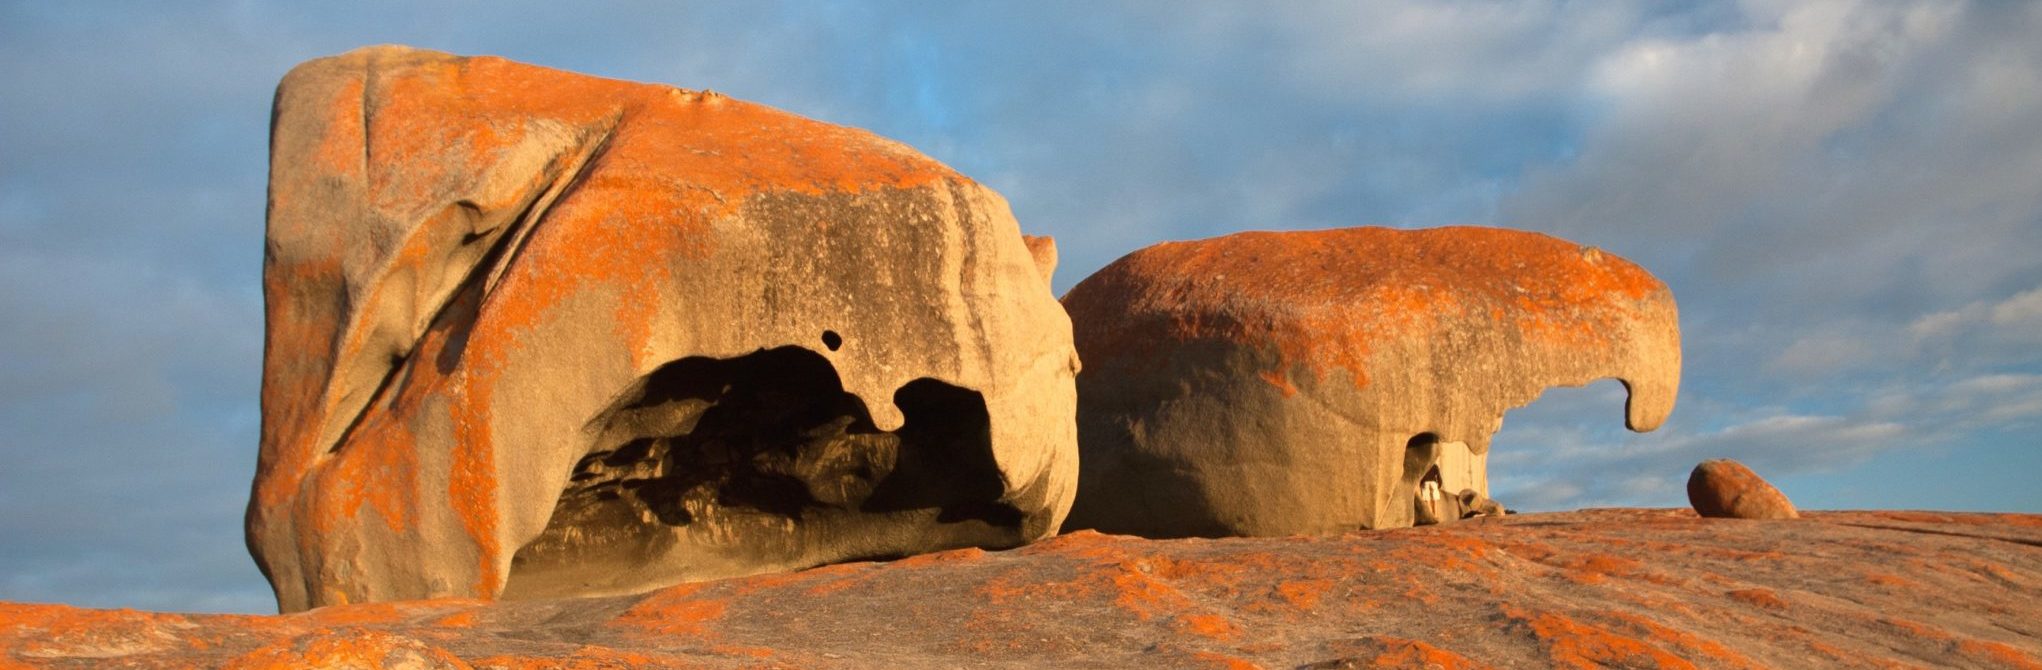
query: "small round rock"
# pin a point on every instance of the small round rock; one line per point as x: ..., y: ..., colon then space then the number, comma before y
x: 1724, y: 488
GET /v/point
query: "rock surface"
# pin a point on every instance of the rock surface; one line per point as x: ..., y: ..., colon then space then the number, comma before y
x: 1724, y: 488
x: 1306, y: 382
x: 1605, y: 588
x: 533, y: 333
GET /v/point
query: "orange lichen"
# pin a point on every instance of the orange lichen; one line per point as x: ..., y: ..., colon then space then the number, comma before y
x: 1304, y: 593
x: 1281, y: 381
x: 1328, y: 299
x: 1574, y: 644
x: 1721, y: 655
x: 680, y: 611
x: 935, y: 558
x: 1391, y: 652
x: 346, y: 648
x: 1207, y: 625
x: 2000, y: 653
x: 1219, y: 660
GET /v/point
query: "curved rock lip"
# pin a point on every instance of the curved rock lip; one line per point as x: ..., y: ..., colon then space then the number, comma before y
x: 1597, y: 588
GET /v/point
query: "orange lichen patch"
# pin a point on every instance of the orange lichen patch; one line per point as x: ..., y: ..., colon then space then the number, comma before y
x: 1304, y: 593
x: 1456, y: 553
x: 1327, y: 299
x: 1078, y: 544
x: 456, y: 620
x: 346, y: 648
x: 953, y: 556
x: 380, y: 472
x: 57, y: 630
x: 1998, y: 652
x: 1206, y: 625
x: 1132, y: 585
x: 1281, y: 381
x: 1213, y: 659
x: 1573, y: 644
x: 1919, y: 630
x: 294, y: 377
x: 1382, y: 651
x: 1979, y: 650
x: 1595, y: 568
x: 1765, y: 598
x: 1695, y: 645
x: 681, y: 611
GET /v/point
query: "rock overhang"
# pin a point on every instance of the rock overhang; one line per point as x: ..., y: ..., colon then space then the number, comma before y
x: 1276, y: 381
x: 469, y: 259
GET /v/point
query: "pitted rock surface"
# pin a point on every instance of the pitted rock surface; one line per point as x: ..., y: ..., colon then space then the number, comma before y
x: 1307, y: 382
x: 536, y: 334
x: 1602, y: 588
x: 1726, y: 488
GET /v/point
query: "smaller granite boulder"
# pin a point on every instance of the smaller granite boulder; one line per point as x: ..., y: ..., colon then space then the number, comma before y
x: 1724, y: 488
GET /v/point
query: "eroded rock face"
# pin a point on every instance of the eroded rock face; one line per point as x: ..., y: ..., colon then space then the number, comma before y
x: 1307, y: 382
x: 533, y: 333
x: 1724, y: 488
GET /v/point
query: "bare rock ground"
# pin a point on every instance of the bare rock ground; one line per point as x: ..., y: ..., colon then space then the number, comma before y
x: 1596, y: 588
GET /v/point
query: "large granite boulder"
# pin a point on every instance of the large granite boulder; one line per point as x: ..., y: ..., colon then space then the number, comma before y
x: 533, y: 334
x: 1726, y: 489
x: 1311, y: 382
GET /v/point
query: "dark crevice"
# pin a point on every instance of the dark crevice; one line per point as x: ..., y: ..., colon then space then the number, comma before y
x: 763, y: 444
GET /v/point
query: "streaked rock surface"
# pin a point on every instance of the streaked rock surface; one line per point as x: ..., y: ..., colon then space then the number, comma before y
x: 1600, y: 588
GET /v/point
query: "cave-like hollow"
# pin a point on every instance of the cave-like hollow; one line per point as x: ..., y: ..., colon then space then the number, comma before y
x: 712, y: 467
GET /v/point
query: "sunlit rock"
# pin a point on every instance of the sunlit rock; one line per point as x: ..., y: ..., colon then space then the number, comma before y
x: 1311, y: 382
x: 533, y: 333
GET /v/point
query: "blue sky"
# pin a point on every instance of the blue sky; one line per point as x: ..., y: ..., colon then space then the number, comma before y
x: 1846, y: 198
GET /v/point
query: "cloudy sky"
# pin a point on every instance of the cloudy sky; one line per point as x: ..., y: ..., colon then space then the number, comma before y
x: 1845, y: 197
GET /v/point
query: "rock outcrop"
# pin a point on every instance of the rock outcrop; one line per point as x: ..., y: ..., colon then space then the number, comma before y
x: 1724, y: 488
x: 533, y: 334
x: 1609, y: 588
x: 1307, y: 382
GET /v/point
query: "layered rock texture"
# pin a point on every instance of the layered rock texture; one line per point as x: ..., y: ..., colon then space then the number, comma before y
x: 1726, y: 489
x: 1610, y: 588
x: 1309, y: 382
x: 535, y: 334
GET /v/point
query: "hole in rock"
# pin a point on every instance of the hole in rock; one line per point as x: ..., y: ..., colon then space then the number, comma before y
x: 831, y: 339
x: 1520, y: 472
x: 714, y: 467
